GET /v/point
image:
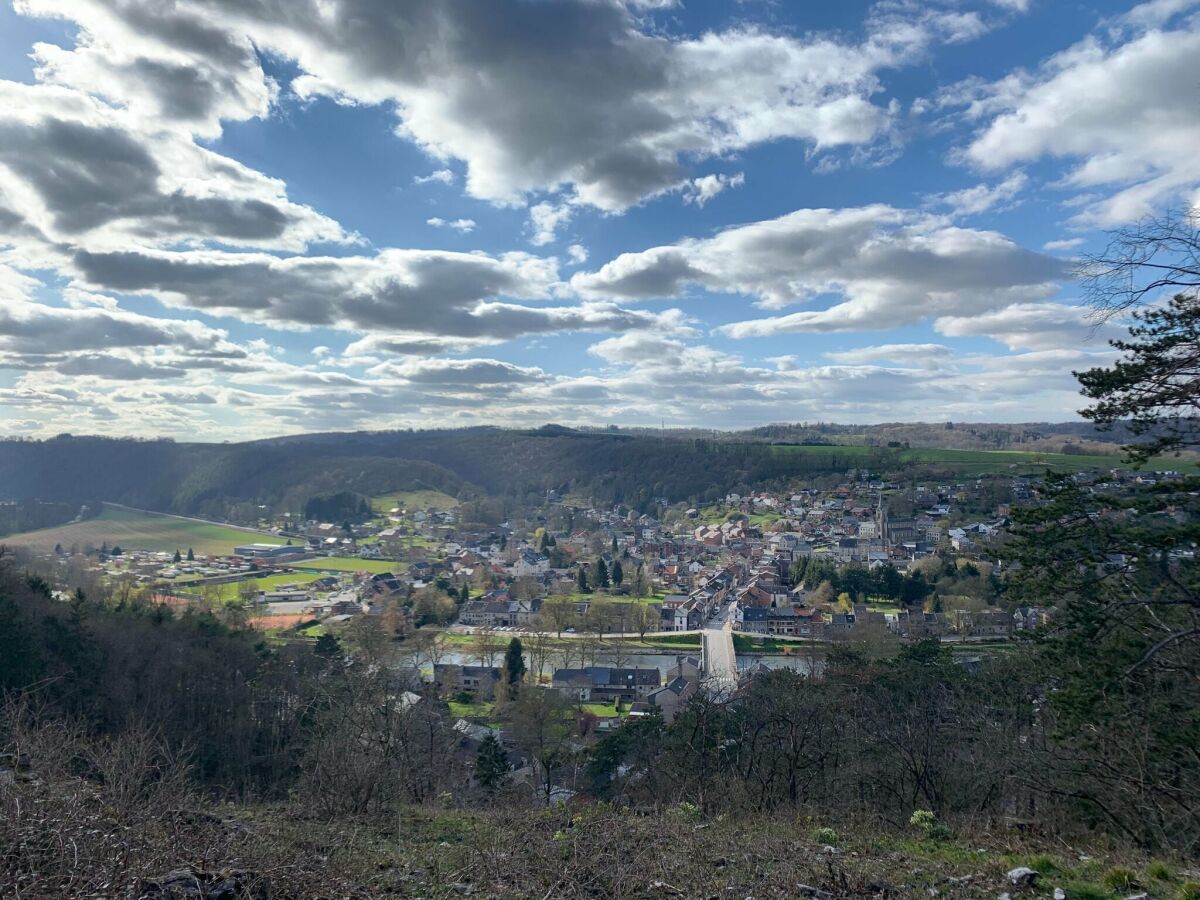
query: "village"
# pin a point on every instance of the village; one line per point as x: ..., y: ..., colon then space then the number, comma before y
x: 784, y: 574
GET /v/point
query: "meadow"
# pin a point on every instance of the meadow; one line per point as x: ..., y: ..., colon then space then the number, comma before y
x: 413, y: 500
x: 134, y: 529
x: 349, y: 564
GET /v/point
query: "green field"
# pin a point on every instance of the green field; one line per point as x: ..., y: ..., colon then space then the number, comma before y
x: 350, y: 564
x: 140, y: 530
x: 231, y: 590
x: 982, y: 462
x: 412, y: 500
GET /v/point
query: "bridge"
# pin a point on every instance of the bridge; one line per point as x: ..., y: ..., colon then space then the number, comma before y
x: 717, y: 657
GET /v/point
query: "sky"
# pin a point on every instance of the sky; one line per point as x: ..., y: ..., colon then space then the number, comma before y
x: 232, y: 219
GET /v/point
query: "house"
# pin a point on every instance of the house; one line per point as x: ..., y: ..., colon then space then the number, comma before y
x: 603, y: 684
x: 685, y: 667
x: 673, y: 696
x: 450, y: 678
x: 752, y: 619
x: 530, y: 563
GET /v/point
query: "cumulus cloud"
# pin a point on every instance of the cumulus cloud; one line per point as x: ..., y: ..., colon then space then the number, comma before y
x: 927, y: 355
x: 440, y: 176
x: 499, y: 85
x: 1123, y: 114
x: 77, y: 171
x: 982, y: 197
x: 700, y: 190
x: 889, y: 266
x: 1035, y: 326
x: 441, y: 293
x: 1064, y: 244
x: 462, y: 226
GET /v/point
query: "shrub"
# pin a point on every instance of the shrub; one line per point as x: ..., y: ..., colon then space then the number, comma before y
x: 1120, y: 878
x: 1159, y: 871
x: 923, y: 819
x: 688, y: 812
x: 825, y: 836
x: 1189, y: 890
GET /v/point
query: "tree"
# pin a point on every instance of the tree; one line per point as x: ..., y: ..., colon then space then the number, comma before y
x: 190, y: 555
x: 514, y: 667
x: 823, y: 595
x: 559, y: 613
x: 328, y: 646
x: 1140, y: 260
x: 614, y: 544
x: 581, y: 579
x: 618, y: 574
x: 600, y: 574
x: 491, y: 764
x: 178, y: 557
x: 484, y: 647
x: 643, y: 617
x: 1154, y: 388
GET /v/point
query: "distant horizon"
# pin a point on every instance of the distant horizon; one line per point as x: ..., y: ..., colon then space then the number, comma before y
x: 588, y: 429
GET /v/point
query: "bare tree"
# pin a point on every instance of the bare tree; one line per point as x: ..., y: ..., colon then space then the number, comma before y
x: 1159, y: 253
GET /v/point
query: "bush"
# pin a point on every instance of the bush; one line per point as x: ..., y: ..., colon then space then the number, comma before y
x: 1159, y: 871
x: 1120, y: 878
x: 1189, y: 890
x: 923, y: 819
x: 825, y: 836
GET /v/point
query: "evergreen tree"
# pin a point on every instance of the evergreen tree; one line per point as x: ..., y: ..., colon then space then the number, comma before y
x: 191, y: 556
x: 614, y: 544
x: 328, y: 646
x: 491, y: 764
x: 618, y: 574
x: 178, y: 557
x: 581, y: 579
x: 21, y: 661
x: 600, y: 574
x: 514, y: 667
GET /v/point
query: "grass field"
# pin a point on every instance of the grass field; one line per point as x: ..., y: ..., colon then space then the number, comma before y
x: 139, y: 530
x: 984, y: 462
x: 350, y: 564
x: 412, y: 500
x: 231, y: 590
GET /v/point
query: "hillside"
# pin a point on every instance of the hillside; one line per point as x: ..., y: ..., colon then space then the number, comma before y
x: 135, y: 529
x: 232, y: 481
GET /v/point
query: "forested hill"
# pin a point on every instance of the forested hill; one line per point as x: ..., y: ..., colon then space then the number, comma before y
x: 215, y: 479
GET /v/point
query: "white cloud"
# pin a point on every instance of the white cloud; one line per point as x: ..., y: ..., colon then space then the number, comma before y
x: 701, y: 190
x: 75, y: 171
x: 441, y: 176
x: 1125, y: 115
x: 545, y: 219
x: 982, y: 197
x: 1064, y: 244
x: 463, y: 226
x: 580, y: 94
x: 922, y: 355
x: 577, y: 253
x: 1035, y: 326
x: 889, y: 267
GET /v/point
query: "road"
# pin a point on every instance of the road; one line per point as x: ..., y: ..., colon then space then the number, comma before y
x: 720, y: 663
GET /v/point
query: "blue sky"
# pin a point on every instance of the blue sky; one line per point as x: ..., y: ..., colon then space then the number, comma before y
x: 222, y: 220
